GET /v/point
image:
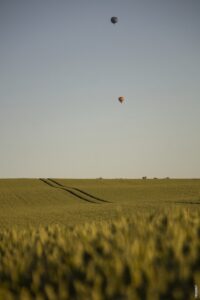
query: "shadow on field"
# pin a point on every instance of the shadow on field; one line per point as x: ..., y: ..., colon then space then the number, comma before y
x: 187, y: 202
x: 73, y: 191
x: 184, y: 202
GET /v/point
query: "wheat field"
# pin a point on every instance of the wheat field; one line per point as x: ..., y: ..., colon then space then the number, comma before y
x: 99, y: 239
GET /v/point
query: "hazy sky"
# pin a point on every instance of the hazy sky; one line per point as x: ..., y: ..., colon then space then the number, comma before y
x: 63, y: 66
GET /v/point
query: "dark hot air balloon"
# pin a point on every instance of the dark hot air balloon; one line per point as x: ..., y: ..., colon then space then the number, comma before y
x: 121, y: 99
x: 114, y: 20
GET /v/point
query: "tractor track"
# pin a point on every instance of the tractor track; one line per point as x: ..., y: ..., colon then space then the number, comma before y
x: 73, y: 191
x: 79, y: 190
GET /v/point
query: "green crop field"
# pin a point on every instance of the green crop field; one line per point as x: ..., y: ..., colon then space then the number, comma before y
x: 99, y: 239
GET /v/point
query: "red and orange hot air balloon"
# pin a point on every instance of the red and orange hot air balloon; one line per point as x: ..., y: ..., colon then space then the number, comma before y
x: 121, y: 99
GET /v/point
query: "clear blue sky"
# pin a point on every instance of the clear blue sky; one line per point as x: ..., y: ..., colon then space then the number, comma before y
x: 63, y: 66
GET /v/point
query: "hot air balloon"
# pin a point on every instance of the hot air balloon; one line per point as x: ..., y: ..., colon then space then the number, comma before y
x: 114, y: 20
x: 121, y: 99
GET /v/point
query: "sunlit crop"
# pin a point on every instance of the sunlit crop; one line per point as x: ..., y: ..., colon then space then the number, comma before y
x: 146, y: 256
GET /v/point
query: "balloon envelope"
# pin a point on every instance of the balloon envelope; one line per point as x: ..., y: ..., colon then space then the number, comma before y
x: 114, y: 20
x: 121, y: 99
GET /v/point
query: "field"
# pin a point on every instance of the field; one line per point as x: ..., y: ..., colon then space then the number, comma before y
x: 99, y: 239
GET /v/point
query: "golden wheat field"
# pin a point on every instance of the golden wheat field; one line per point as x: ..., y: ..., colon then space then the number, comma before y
x: 99, y: 239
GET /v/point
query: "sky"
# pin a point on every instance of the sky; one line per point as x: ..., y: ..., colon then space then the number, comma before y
x: 63, y: 65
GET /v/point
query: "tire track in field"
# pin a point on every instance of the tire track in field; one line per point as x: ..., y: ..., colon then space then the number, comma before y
x: 45, y: 181
x: 60, y: 187
x: 79, y: 190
